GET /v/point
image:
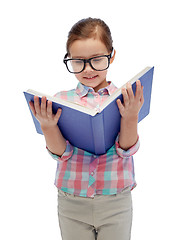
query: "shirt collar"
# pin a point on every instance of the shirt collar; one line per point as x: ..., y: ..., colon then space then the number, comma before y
x: 82, y: 90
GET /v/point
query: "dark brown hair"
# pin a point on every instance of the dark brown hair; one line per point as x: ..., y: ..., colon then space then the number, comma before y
x: 90, y: 28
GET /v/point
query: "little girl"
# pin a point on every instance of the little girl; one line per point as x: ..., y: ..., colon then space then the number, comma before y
x: 94, y: 191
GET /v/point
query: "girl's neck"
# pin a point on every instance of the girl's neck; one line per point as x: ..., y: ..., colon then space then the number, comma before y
x: 102, y: 85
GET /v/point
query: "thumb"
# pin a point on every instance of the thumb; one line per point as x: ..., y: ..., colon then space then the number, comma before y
x: 120, y: 106
x: 58, y: 114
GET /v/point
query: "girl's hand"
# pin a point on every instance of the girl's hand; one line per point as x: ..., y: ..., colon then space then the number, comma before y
x: 132, y: 103
x: 43, y: 112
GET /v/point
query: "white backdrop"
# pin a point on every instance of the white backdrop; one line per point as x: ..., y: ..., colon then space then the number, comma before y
x: 32, y: 45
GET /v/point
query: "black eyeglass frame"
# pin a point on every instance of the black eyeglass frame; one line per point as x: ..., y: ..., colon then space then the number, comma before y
x: 65, y: 60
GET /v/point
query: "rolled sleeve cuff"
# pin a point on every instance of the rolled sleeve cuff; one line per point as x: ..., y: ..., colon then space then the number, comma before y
x: 66, y: 155
x: 127, y: 153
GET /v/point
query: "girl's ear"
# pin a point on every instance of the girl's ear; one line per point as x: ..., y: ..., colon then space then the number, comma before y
x: 113, y: 57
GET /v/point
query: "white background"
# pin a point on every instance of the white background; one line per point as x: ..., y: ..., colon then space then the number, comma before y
x: 32, y: 45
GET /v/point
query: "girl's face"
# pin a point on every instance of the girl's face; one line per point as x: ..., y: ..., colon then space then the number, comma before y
x: 86, y: 49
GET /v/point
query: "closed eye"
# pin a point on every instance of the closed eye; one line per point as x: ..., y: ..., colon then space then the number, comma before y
x: 98, y: 59
x: 78, y: 61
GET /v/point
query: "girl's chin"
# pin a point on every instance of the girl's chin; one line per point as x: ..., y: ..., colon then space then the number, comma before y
x: 95, y: 84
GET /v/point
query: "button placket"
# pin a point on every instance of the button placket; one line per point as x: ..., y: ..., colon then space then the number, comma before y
x: 92, y: 175
x: 93, y: 166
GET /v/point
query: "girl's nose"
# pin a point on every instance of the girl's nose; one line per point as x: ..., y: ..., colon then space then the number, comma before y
x: 88, y: 68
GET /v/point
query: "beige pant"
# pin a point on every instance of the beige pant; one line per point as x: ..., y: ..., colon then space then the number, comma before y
x: 104, y: 217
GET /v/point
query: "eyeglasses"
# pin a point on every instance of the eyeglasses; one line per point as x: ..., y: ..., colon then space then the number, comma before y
x: 98, y: 63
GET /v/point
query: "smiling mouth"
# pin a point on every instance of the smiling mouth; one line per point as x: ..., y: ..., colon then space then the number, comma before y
x: 90, y: 78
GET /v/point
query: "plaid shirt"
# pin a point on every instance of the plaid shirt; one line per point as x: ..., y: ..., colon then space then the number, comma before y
x: 84, y: 174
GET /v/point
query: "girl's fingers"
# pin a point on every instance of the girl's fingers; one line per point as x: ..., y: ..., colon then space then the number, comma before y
x: 142, y: 95
x: 125, y: 97
x: 31, y: 105
x: 58, y: 114
x: 44, y: 110
x: 37, y: 105
x: 49, y: 109
x: 120, y: 106
x: 43, y: 107
x: 130, y: 92
x: 138, y: 90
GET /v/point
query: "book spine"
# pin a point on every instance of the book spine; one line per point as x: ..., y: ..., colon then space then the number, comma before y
x: 98, y: 133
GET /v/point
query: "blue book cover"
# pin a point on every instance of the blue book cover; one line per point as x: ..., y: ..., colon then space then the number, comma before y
x: 94, y: 130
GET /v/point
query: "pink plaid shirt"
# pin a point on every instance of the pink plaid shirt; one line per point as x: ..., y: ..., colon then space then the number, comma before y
x: 84, y: 174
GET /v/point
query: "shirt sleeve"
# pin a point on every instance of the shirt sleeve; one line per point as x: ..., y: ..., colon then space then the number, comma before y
x: 66, y: 155
x: 127, y: 153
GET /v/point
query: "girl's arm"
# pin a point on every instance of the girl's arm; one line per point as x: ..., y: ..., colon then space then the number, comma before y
x: 55, y: 142
x: 129, y: 115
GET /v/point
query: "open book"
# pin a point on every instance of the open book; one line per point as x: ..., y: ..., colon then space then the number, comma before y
x: 94, y: 130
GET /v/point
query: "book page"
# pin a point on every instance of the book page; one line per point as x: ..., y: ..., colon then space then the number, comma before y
x: 66, y: 103
x: 118, y: 91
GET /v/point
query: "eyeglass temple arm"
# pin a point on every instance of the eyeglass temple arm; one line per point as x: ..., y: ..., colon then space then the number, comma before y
x: 66, y: 55
x: 112, y: 53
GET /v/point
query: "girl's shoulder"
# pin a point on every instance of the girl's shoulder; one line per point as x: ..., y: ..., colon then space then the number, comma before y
x: 67, y: 95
